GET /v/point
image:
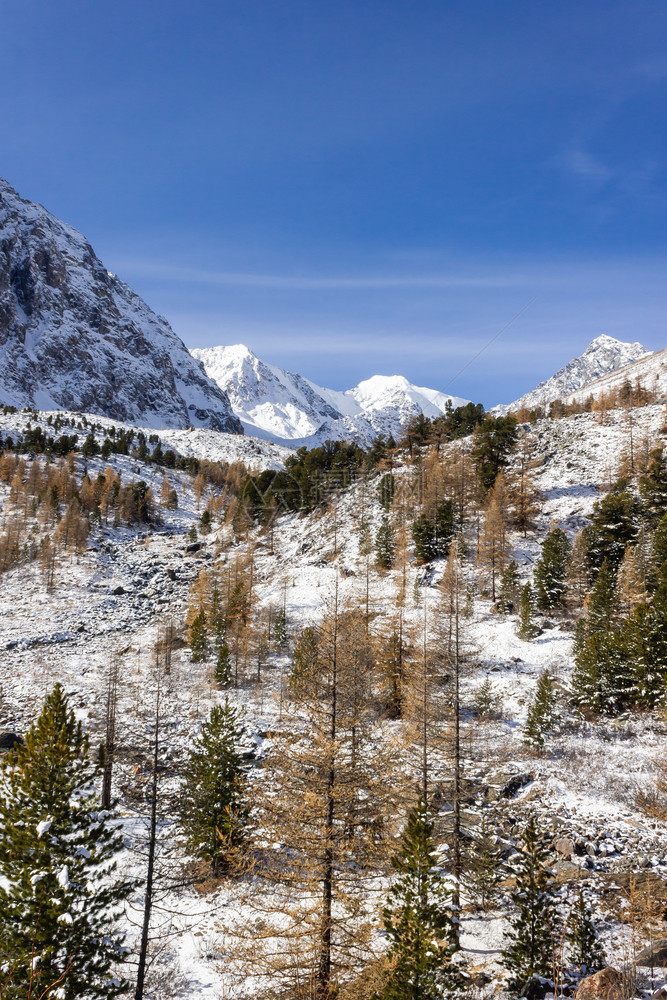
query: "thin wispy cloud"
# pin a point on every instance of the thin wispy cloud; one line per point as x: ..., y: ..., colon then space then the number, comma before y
x: 164, y: 271
x: 583, y: 164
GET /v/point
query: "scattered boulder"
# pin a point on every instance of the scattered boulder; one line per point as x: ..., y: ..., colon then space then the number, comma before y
x: 194, y: 546
x: 564, y: 846
x: 516, y: 783
x: 118, y: 591
x: 604, y: 985
x: 654, y: 955
x: 536, y: 988
x: 8, y: 741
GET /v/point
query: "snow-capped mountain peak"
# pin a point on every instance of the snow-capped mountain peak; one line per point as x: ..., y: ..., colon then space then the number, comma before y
x: 286, y: 407
x: 381, y: 391
x: 604, y: 354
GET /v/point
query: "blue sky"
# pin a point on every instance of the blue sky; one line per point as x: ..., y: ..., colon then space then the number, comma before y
x: 352, y: 188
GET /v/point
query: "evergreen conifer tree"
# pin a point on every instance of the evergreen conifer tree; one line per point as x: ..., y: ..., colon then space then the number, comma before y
x: 597, y: 660
x: 494, y: 440
x: 280, y: 628
x: 653, y: 485
x: 631, y: 579
x: 600, y: 681
x: 658, y: 559
x: 551, y: 570
x: 510, y: 589
x: 613, y: 524
x: 483, y: 874
x: 444, y: 527
x: 199, y: 637
x: 214, y: 810
x: 416, y: 591
x: 584, y: 948
x: 487, y: 701
x: 223, y: 666
x: 424, y: 538
x: 542, y: 713
x: 601, y: 605
x: 59, y: 896
x: 530, y: 939
x: 384, y: 545
x: 527, y: 629
x: 420, y: 924
x: 386, y: 490
x: 644, y: 648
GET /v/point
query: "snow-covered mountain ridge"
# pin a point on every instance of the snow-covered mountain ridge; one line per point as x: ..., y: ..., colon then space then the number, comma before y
x: 650, y: 372
x: 288, y: 408
x: 73, y: 336
x: 603, y: 355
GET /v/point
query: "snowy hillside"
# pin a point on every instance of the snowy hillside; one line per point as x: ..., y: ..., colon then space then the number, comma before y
x: 73, y: 336
x: 197, y: 442
x: 285, y: 407
x: 112, y: 600
x: 108, y: 601
x: 604, y: 354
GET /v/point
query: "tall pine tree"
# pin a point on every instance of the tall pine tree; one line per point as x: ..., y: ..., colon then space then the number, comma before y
x: 613, y: 524
x: 214, y: 808
x: 384, y: 545
x: 541, y: 720
x: 527, y: 629
x: 420, y: 924
x: 653, y: 485
x: 551, y: 570
x: 584, y: 948
x: 600, y: 679
x: 509, y: 594
x: 529, y: 946
x: 59, y: 895
x: 199, y: 637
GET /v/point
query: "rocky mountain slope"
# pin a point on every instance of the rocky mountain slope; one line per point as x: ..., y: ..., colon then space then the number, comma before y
x: 604, y: 354
x: 73, y: 336
x: 650, y: 372
x: 288, y: 408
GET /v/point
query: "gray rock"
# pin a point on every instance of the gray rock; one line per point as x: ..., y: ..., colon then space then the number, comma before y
x: 8, y: 741
x: 516, y: 783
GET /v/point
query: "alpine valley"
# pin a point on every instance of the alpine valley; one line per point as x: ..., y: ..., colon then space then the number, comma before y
x: 321, y: 655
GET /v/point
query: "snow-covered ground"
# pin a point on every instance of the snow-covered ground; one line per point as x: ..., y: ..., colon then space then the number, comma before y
x: 113, y: 599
